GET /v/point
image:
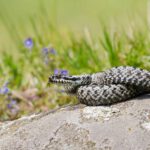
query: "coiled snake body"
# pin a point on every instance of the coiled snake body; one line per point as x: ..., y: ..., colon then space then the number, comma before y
x: 104, y: 88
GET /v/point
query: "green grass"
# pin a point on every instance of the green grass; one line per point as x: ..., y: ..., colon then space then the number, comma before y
x: 77, y: 52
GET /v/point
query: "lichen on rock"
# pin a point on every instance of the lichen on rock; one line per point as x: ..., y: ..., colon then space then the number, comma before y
x: 121, y: 126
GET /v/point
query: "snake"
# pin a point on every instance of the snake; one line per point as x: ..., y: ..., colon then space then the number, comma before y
x: 114, y: 85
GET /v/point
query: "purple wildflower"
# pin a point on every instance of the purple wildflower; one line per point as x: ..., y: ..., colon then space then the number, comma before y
x: 4, y: 90
x: 53, y: 51
x: 45, y: 51
x: 56, y: 72
x: 28, y: 43
x: 61, y: 72
x: 13, y: 107
x: 64, y: 72
x: 11, y: 104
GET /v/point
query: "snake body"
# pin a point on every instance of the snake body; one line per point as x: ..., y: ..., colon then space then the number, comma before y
x: 104, y: 88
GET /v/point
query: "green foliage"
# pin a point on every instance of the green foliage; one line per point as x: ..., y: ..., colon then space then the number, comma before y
x: 111, y: 49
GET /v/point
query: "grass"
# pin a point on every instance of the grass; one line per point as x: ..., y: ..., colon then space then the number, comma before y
x: 27, y: 68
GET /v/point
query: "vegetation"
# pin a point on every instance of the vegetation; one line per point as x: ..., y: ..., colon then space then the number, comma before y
x: 35, y: 49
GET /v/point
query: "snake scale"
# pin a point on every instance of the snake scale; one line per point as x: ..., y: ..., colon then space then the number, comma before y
x: 105, y: 88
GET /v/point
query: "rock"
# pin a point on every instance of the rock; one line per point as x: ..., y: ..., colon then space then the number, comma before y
x: 123, y: 126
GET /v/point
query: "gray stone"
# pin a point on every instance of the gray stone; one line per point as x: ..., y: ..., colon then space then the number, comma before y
x: 123, y: 126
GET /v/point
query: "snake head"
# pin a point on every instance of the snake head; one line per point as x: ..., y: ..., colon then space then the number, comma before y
x: 70, y: 82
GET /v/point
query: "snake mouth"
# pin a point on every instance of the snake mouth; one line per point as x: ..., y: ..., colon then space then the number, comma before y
x: 62, y: 79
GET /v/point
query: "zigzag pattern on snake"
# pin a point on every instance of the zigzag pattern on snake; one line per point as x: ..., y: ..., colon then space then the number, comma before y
x: 104, y: 88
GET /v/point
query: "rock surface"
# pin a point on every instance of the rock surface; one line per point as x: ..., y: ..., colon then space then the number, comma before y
x: 123, y: 126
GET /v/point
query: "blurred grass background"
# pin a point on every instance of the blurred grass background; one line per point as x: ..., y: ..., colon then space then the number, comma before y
x: 81, y: 36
